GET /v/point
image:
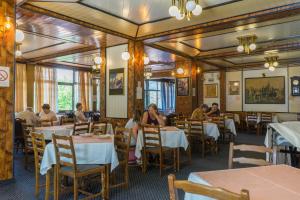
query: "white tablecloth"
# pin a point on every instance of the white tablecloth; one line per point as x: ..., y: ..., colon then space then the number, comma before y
x: 86, y: 153
x: 172, y: 139
x: 193, y: 177
x: 211, y: 129
x: 65, y: 130
x: 229, y: 123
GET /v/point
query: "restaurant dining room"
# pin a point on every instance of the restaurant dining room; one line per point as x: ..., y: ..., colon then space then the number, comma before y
x: 150, y: 99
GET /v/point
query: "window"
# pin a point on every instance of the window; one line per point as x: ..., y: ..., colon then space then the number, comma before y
x: 65, y: 89
x: 162, y: 93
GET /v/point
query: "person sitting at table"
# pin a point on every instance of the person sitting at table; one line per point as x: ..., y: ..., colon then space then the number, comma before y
x: 79, y: 115
x: 152, y: 116
x: 133, y: 124
x: 214, y: 110
x: 200, y: 113
x: 47, y: 115
x: 28, y: 115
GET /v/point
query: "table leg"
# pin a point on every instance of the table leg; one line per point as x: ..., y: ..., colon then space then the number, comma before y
x: 48, y: 176
x: 178, y: 158
x: 107, y: 169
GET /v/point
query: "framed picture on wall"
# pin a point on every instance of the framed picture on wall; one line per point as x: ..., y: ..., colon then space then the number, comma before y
x: 234, y: 87
x: 265, y: 90
x: 116, y: 81
x: 183, y: 85
x: 211, y: 91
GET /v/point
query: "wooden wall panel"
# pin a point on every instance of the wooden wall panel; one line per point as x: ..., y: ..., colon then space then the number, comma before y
x: 102, y: 83
x: 222, y: 90
x: 7, y: 94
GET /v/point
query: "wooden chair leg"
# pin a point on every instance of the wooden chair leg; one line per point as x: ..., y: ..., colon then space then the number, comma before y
x: 160, y: 163
x: 178, y: 158
x: 75, y: 188
x: 47, y: 192
x: 37, y: 183
x: 107, y: 171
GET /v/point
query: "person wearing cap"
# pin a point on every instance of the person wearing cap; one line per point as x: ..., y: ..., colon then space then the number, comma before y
x: 200, y: 112
x: 28, y: 115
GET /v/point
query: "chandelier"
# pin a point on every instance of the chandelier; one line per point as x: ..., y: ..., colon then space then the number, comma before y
x: 19, y: 39
x: 185, y: 8
x: 97, y: 63
x: 247, y: 44
x: 147, y: 73
x: 271, y: 62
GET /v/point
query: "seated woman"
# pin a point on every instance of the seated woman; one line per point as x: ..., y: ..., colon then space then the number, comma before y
x: 47, y: 115
x: 152, y: 117
x: 200, y: 113
x: 79, y: 115
x: 133, y: 124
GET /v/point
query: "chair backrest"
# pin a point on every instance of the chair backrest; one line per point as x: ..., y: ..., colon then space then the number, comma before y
x: 229, y: 115
x: 251, y: 117
x: 80, y: 128
x: 39, y: 144
x: 220, y: 121
x: 196, y: 130
x: 247, y: 160
x: 100, y: 127
x: 64, y: 152
x: 18, y: 127
x: 67, y: 120
x: 151, y: 136
x: 266, y: 117
x: 122, y: 140
x: 27, y: 129
x: 204, y: 190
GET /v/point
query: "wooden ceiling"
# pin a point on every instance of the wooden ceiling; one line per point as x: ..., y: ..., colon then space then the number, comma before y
x: 71, y: 32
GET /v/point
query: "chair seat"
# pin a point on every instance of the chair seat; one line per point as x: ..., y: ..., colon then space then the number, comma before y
x: 82, y: 170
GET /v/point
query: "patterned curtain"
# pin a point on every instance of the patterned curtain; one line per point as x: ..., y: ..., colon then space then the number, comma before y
x: 85, y: 90
x: 20, y: 88
x: 45, y: 87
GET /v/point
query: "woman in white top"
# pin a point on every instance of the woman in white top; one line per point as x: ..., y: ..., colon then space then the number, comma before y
x: 133, y: 124
x: 47, y: 114
x: 79, y: 115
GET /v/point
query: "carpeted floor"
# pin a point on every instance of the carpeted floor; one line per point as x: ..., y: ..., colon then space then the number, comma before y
x: 149, y: 186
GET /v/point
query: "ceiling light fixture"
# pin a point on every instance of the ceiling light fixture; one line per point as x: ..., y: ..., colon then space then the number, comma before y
x: 125, y: 55
x: 19, y: 36
x: 271, y: 62
x: 146, y: 60
x: 185, y: 8
x: 97, y: 60
x: 247, y: 44
x: 180, y: 70
x: 18, y: 51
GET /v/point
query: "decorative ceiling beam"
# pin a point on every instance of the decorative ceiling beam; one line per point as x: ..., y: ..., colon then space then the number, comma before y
x: 72, y: 20
x: 172, y: 51
x: 59, y: 54
x: 231, y: 22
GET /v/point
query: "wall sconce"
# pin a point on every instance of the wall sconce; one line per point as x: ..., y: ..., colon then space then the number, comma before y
x: 147, y: 73
x: 180, y: 71
x: 198, y: 70
x: 6, y: 26
x: 146, y: 60
x: 18, y: 51
x: 173, y: 73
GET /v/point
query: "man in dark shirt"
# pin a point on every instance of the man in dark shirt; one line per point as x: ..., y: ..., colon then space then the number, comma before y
x: 214, y: 110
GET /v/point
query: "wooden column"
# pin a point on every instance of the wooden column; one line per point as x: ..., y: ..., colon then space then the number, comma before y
x: 103, y: 82
x: 7, y: 45
x: 222, y: 90
x: 135, y: 75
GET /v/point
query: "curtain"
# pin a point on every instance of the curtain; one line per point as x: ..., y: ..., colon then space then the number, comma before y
x: 164, y: 95
x: 45, y: 87
x: 20, y: 88
x: 168, y: 96
x: 85, y: 90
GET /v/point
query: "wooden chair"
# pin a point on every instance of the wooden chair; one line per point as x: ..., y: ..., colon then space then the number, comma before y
x: 39, y: 144
x: 186, y: 127
x: 28, y: 148
x: 251, y: 121
x: 122, y: 144
x: 247, y: 160
x: 100, y: 127
x: 204, y: 190
x: 152, y: 145
x: 80, y: 128
x: 265, y: 119
x: 224, y: 131
x: 197, y: 136
x: 67, y: 120
x: 67, y: 166
x: 19, y: 136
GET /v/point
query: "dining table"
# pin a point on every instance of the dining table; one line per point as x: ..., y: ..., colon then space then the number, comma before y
x: 274, y: 182
x: 91, y: 149
x: 66, y: 130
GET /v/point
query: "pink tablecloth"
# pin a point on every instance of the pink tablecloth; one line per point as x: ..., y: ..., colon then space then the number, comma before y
x: 277, y: 182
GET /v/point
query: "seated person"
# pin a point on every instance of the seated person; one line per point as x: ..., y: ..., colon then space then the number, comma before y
x: 152, y: 117
x: 47, y: 114
x: 79, y: 115
x: 214, y: 110
x: 200, y: 113
x: 133, y: 124
x: 28, y: 115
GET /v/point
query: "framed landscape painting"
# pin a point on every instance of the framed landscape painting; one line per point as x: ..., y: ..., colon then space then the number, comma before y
x: 211, y: 91
x: 234, y: 88
x: 116, y: 81
x: 267, y: 90
x: 182, y: 86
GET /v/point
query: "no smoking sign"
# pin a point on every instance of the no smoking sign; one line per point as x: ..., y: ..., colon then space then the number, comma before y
x: 4, y: 76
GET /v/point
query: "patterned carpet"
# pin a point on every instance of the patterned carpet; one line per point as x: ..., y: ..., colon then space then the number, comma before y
x: 149, y: 186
